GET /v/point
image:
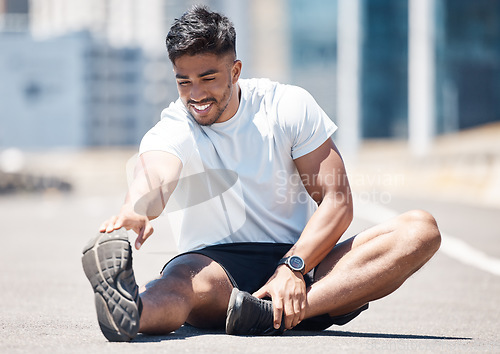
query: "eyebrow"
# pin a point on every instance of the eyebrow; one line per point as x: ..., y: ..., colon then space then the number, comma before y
x: 206, y: 73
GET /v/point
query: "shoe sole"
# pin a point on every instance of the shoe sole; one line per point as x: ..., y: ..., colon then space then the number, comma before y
x: 232, y: 316
x: 105, y: 257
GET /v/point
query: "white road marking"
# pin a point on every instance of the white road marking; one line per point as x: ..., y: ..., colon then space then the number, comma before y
x: 467, y: 254
x: 450, y: 245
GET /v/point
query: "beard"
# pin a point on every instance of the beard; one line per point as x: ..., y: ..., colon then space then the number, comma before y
x: 218, y: 107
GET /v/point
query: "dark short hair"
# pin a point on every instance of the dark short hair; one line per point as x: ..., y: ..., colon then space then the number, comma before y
x: 200, y: 31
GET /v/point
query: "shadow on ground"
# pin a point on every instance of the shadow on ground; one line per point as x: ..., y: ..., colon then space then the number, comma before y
x: 187, y: 331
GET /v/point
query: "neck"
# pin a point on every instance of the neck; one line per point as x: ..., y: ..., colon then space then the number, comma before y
x: 234, y: 102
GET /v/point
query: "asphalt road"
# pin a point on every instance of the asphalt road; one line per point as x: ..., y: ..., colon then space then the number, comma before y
x: 47, y: 304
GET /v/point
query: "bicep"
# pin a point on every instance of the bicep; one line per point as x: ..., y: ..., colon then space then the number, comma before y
x: 323, y: 173
x: 158, y: 168
x: 155, y: 178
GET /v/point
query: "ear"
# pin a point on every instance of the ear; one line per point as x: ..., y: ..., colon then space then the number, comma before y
x: 236, y: 71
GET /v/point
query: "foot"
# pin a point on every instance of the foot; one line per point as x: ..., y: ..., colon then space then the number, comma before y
x: 107, y: 262
x: 248, y: 315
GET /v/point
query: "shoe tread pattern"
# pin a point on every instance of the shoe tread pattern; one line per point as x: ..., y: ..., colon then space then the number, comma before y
x: 108, y: 267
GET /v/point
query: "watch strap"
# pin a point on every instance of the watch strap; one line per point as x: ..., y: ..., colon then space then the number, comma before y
x: 285, y: 260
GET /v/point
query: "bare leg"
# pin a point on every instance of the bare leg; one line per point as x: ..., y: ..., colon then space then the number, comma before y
x: 373, y: 264
x: 192, y: 288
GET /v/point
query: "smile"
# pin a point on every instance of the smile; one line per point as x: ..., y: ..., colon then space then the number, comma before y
x: 201, y: 107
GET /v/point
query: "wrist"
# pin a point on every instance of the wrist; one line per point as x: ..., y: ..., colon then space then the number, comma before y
x: 286, y: 270
x: 127, y: 211
x: 294, y: 263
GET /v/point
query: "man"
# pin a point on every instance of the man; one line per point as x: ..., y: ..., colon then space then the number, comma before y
x: 259, y: 257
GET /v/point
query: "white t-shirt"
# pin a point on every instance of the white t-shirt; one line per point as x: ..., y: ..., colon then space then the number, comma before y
x: 239, y: 182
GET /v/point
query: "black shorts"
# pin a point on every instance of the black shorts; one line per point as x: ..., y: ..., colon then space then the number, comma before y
x: 250, y: 265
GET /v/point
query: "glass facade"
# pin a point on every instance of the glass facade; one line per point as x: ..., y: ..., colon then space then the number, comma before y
x: 294, y: 41
x: 384, y: 76
x: 313, y: 49
x: 468, y: 64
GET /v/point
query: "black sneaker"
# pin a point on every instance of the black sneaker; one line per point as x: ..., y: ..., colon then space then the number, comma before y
x: 107, y: 262
x: 248, y: 315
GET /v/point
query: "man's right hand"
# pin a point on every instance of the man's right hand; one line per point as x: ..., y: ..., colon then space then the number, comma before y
x: 129, y: 219
x: 155, y: 178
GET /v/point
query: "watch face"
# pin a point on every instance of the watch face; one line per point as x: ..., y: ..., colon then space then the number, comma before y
x: 296, y: 262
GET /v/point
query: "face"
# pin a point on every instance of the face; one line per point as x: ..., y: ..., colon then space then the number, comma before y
x: 207, y: 85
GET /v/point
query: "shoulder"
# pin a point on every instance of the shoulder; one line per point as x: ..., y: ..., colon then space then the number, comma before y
x: 260, y: 90
x: 278, y: 98
x: 175, y: 112
x: 295, y: 106
x: 291, y: 96
x: 173, y: 133
x: 301, y: 119
x: 256, y: 86
x: 173, y: 120
x: 269, y: 88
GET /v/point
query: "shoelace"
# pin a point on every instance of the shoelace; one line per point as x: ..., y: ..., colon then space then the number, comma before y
x: 265, y: 319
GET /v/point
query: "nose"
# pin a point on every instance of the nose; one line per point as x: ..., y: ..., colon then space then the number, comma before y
x: 197, y: 93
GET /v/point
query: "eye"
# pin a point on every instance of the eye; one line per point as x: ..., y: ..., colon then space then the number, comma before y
x: 182, y: 83
x: 208, y: 78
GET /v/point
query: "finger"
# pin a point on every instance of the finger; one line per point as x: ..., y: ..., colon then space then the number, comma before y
x: 289, y: 313
x: 148, y: 231
x: 118, y: 223
x: 138, y: 243
x: 138, y: 240
x: 111, y: 223
x: 303, y: 304
x: 143, y: 235
x: 262, y: 292
x: 278, y: 312
x: 103, y: 226
x: 297, y: 309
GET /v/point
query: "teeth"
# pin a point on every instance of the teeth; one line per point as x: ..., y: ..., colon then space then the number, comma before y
x: 201, y: 108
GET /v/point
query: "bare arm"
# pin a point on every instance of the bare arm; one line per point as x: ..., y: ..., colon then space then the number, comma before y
x: 324, y: 176
x: 155, y: 177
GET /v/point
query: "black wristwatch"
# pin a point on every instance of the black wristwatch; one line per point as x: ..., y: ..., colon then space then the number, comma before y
x: 295, y: 263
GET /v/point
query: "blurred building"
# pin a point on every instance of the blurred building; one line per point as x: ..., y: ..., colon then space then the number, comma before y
x: 384, y: 69
x: 105, y: 61
x: 69, y: 91
x: 468, y: 63
x: 313, y: 49
x: 14, y: 15
x: 43, y: 91
x: 65, y: 84
x: 121, y: 23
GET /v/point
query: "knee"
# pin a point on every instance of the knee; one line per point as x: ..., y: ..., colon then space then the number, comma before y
x: 179, y: 276
x: 174, y: 283
x: 190, y: 275
x: 422, y: 231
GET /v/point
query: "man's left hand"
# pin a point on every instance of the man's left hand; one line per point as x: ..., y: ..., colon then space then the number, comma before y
x: 287, y: 290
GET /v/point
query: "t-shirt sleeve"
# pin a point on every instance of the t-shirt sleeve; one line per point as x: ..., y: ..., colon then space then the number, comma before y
x: 306, y: 125
x: 171, y: 134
